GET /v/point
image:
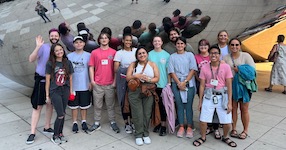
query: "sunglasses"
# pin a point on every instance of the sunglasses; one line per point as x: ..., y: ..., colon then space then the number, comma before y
x: 234, y: 44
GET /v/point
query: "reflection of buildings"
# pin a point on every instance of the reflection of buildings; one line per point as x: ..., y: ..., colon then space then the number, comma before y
x: 19, y: 31
x: 259, y: 39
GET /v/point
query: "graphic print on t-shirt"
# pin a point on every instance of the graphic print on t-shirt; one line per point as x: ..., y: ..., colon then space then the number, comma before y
x: 60, y: 76
x: 78, y: 66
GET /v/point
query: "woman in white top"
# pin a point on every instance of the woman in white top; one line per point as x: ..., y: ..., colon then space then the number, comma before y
x: 141, y: 105
x: 222, y: 38
x: 123, y: 58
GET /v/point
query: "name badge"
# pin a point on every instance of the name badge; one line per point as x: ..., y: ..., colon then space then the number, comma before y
x: 214, y: 82
x: 104, y: 62
x: 215, y: 100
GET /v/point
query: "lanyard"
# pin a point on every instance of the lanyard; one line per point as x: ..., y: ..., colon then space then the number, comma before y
x: 232, y: 60
x: 215, y: 77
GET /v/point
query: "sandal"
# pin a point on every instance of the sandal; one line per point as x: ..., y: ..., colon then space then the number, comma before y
x: 284, y: 92
x: 233, y: 133
x: 243, y: 135
x: 209, y: 131
x: 268, y: 89
x: 229, y: 142
x: 217, y: 134
x: 199, y: 142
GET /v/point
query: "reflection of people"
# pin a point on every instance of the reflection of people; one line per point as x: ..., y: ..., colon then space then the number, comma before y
x: 141, y: 104
x: 59, y: 72
x: 66, y: 36
x: 146, y: 38
x: 191, y: 17
x: 196, y: 27
x: 278, y: 72
x: 41, y: 10
x: 176, y: 16
x: 41, y: 53
x: 182, y: 67
x: 241, y: 98
x: 81, y: 83
x: 137, y: 28
x: 215, y: 96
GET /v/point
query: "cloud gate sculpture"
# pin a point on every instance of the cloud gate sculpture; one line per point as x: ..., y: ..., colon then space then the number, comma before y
x: 20, y: 24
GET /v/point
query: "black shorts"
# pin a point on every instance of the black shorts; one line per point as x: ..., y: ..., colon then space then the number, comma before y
x: 82, y: 100
x: 41, y: 92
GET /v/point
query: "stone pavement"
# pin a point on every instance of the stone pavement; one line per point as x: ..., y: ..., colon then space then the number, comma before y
x: 267, y: 124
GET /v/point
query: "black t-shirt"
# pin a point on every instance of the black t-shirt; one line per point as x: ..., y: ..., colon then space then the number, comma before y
x: 59, y: 76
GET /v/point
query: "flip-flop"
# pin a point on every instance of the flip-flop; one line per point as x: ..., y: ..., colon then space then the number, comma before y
x: 243, y: 135
x: 233, y: 133
x: 199, y: 142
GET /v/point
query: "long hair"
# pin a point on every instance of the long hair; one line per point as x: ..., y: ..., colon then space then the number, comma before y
x: 136, y: 55
x: 53, y: 58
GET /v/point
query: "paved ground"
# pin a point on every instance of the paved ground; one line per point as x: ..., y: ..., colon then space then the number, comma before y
x: 267, y: 126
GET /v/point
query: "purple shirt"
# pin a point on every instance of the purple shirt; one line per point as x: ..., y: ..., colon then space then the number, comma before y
x: 43, y: 57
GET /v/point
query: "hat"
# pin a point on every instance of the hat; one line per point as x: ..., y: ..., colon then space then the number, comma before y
x: 82, y: 32
x: 78, y: 38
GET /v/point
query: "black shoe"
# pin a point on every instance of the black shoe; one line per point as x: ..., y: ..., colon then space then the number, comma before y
x: 75, y: 128
x: 30, y: 139
x: 162, y: 131
x: 157, y: 128
x: 84, y: 126
x: 50, y: 130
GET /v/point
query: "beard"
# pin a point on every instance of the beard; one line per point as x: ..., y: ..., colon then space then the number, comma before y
x: 52, y: 41
x: 174, y: 39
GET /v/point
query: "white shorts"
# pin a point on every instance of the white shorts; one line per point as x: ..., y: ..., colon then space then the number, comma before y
x: 208, y: 109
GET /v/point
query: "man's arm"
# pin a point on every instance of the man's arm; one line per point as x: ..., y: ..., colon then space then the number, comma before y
x: 39, y: 42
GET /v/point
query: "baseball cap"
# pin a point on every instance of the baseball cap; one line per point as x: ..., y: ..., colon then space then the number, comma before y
x: 78, y: 38
x: 82, y: 32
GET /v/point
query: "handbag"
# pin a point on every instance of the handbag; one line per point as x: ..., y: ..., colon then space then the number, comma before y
x: 273, y: 55
x: 133, y: 84
x: 45, y: 9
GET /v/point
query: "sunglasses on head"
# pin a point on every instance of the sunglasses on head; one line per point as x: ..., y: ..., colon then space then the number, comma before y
x: 234, y: 44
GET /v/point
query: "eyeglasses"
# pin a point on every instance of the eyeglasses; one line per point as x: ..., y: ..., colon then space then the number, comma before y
x: 215, y: 53
x: 234, y: 44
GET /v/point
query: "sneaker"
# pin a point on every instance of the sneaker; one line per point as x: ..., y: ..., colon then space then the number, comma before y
x: 63, y: 138
x: 147, y: 140
x: 157, y: 128
x: 181, y: 132
x: 56, y: 140
x: 133, y: 127
x: 128, y: 129
x: 139, y: 141
x: 84, y: 126
x: 94, y: 127
x: 50, y: 130
x: 114, y: 127
x: 189, y: 133
x: 30, y: 139
x: 162, y: 131
x: 75, y: 128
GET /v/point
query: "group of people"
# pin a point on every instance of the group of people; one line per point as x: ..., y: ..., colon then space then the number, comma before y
x: 41, y: 10
x: 167, y: 72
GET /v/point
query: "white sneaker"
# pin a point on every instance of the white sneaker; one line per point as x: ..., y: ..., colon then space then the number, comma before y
x: 147, y: 140
x: 139, y: 141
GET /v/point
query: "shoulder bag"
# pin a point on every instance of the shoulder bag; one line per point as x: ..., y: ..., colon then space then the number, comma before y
x: 133, y: 84
x: 273, y: 55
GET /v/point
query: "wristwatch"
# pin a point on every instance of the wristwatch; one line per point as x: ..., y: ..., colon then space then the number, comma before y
x: 186, y: 81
